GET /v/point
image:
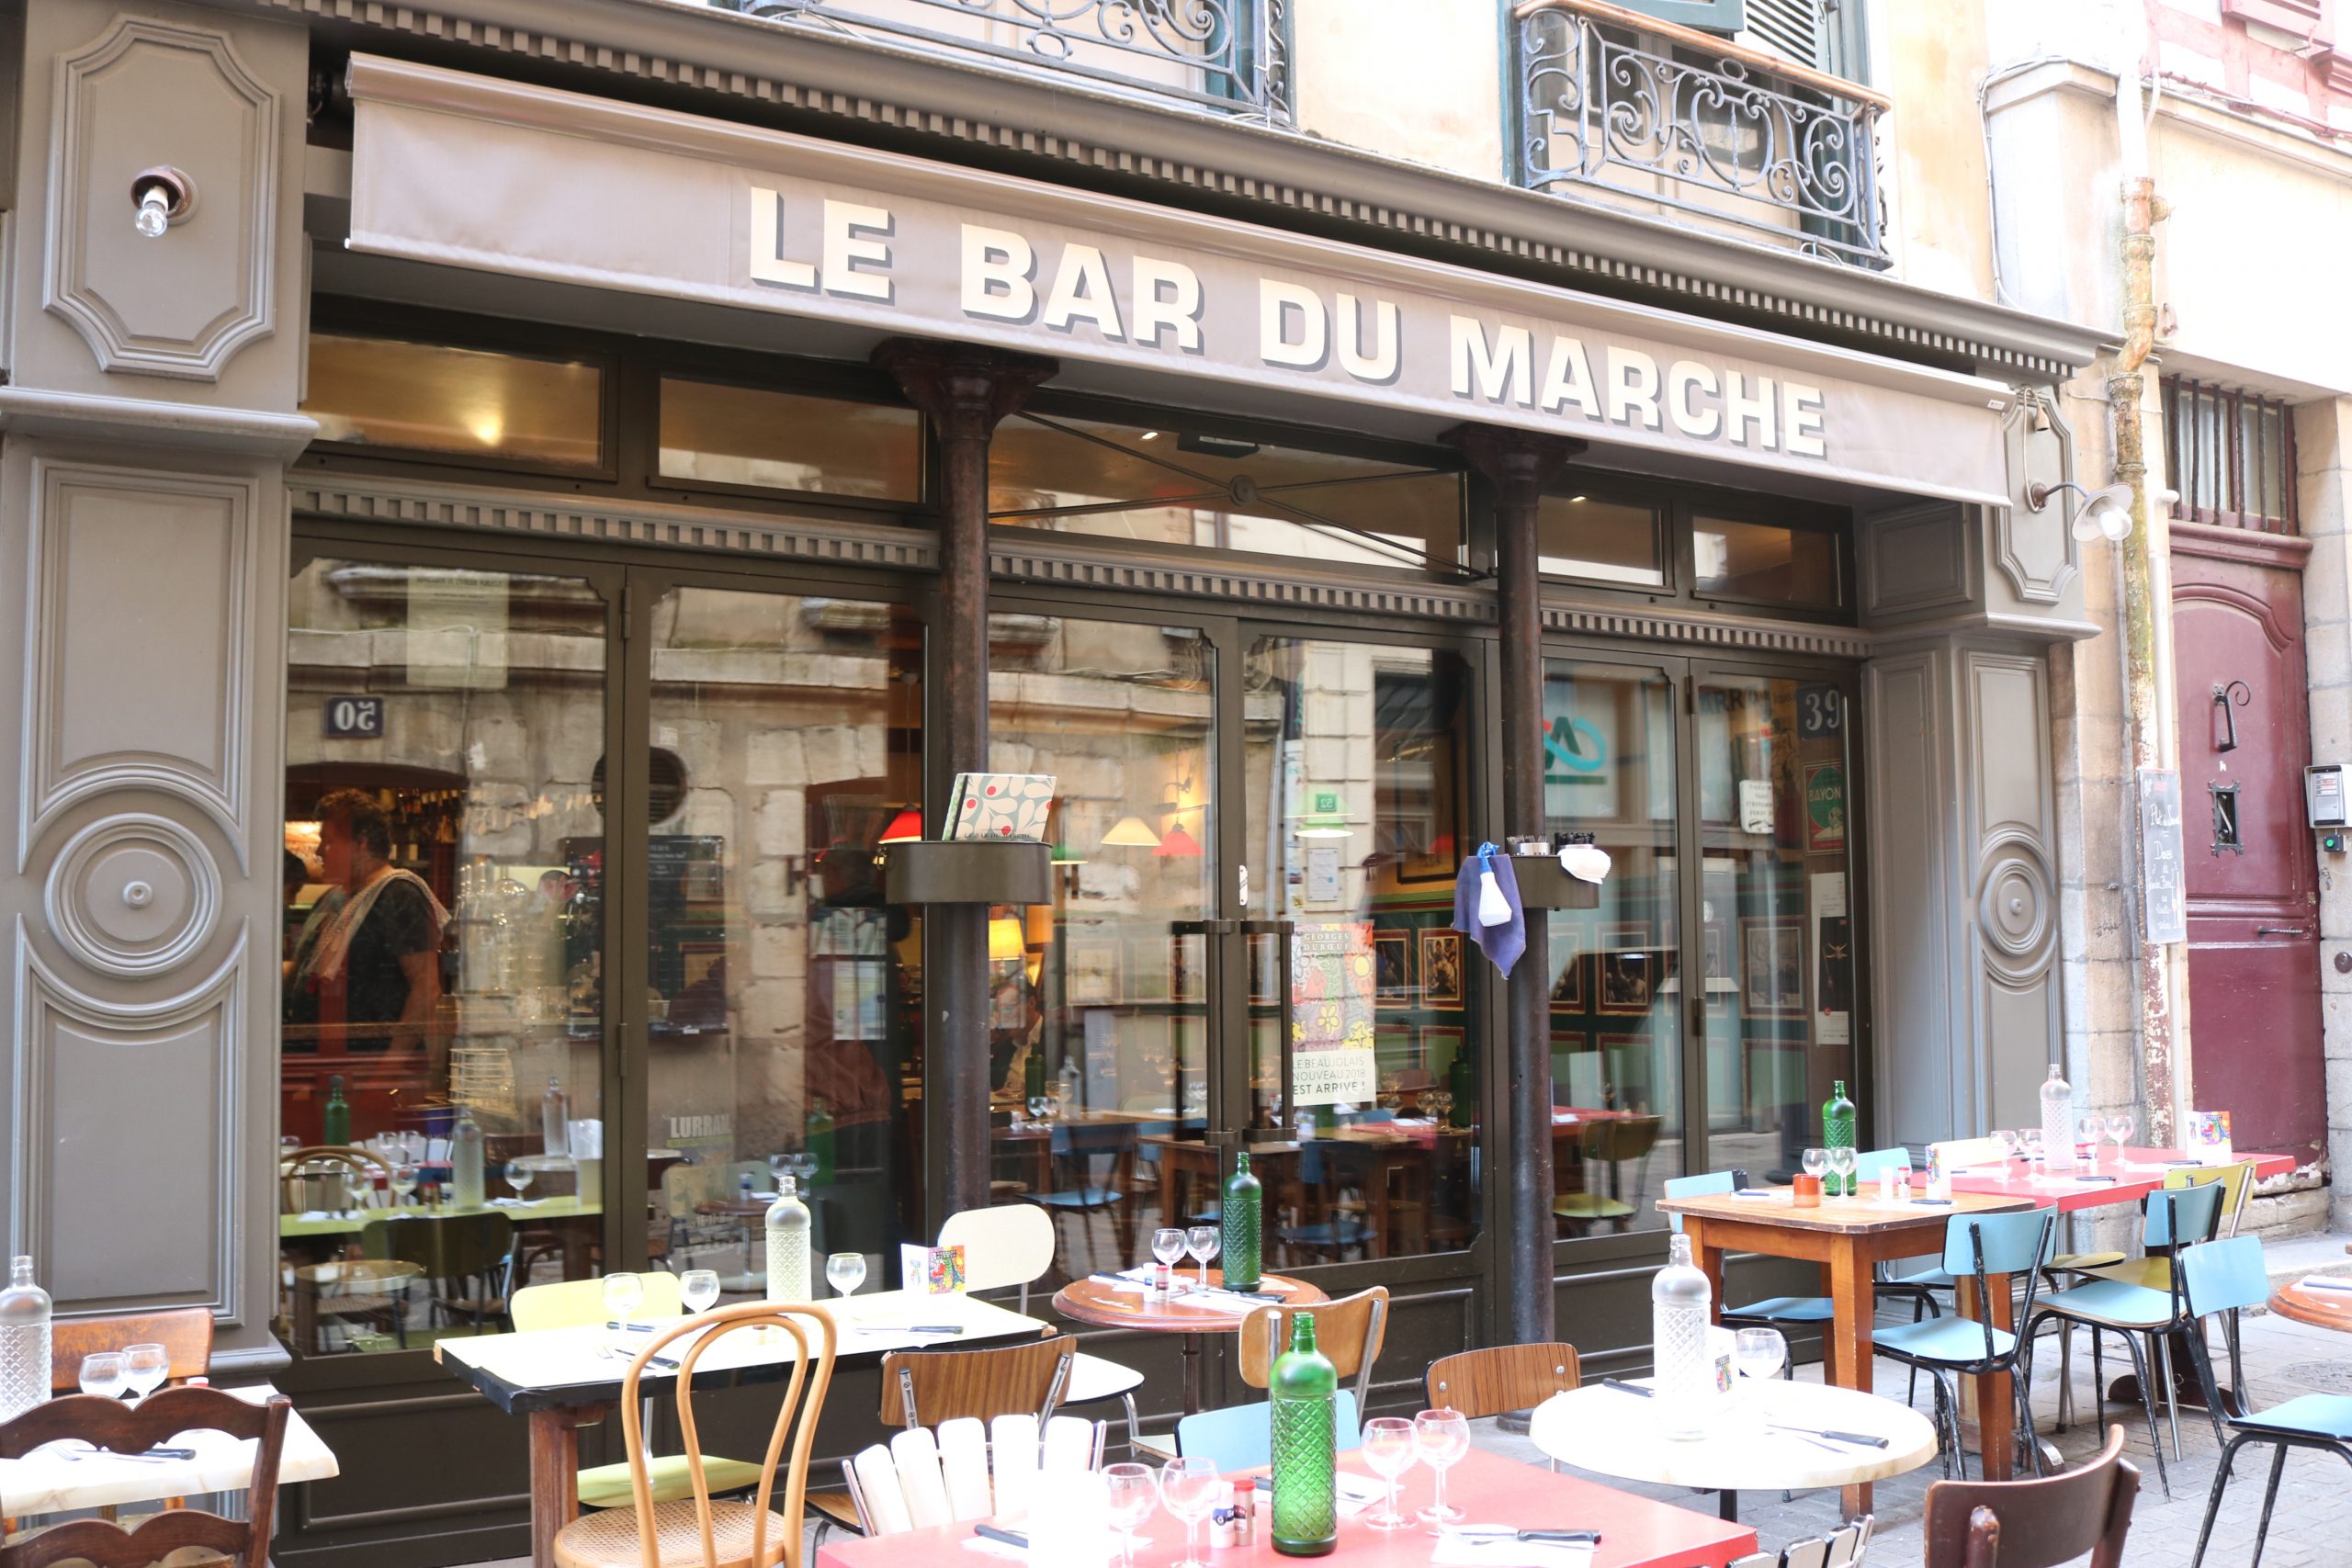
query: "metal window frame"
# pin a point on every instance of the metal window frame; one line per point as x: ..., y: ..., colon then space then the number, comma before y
x: 2205, y: 425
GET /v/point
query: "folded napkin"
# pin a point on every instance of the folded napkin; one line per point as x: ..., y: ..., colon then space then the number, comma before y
x: 1357, y: 1492
x: 1455, y: 1551
x: 1217, y: 1301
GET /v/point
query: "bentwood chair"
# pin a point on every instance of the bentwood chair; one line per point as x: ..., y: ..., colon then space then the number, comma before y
x: 2037, y: 1523
x: 1976, y: 1247
x: 698, y: 1531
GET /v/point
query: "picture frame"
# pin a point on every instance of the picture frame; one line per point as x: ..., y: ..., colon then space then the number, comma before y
x: 1150, y: 969
x: 1771, y: 966
x: 1440, y: 977
x: 1720, y: 985
x: 1187, y: 966
x: 1392, y: 968
x: 1440, y: 1044
x: 1265, y: 966
x: 1090, y: 974
x: 1625, y: 971
x: 1569, y: 941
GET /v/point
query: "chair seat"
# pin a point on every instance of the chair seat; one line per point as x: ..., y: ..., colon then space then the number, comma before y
x: 2079, y: 1262
x: 1924, y: 1280
x: 2112, y: 1304
x: 1950, y: 1341
x: 1149, y: 1449
x: 2314, y: 1415
x: 1093, y: 1378
x: 838, y: 1506
x: 1590, y: 1206
x: 2148, y: 1273
x: 1083, y: 1198
x: 1788, y: 1309
x: 609, y: 1539
x: 607, y: 1485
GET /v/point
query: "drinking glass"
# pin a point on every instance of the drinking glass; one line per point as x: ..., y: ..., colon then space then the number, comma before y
x: 2090, y: 1127
x: 698, y: 1290
x: 1388, y: 1449
x: 1132, y: 1496
x: 1038, y: 1107
x: 1816, y: 1162
x: 1168, y: 1244
x: 102, y: 1374
x: 1188, y: 1489
x: 1201, y: 1242
x: 1442, y: 1438
x: 1760, y: 1352
x: 2008, y: 1142
x: 518, y: 1177
x: 2030, y: 1142
x: 622, y: 1294
x: 845, y: 1272
x: 1841, y: 1166
x: 2119, y: 1127
x: 144, y: 1368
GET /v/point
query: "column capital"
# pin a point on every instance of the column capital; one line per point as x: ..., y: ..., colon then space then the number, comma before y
x: 1518, y: 463
x: 964, y: 388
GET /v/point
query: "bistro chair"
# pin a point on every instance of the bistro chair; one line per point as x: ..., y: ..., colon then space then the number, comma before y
x: 1501, y: 1379
x: 2228, y: 1277
x: 1976, y: 1247
x: 698, y: 1532
x: 185, y: 1333
x: 1241, y: 1436
x: 1349, y: 1332
x: 964, y: 1470
x: 474, y: 1251
x: 2153, y: 1268
x: 1842, y: 1548
x: 1009, y: 1243
x: 1093, y: 1165
x: 2038, y: 1523
x: 1612, y: 1142
x: 134, y: 1429
x: 314, y: 1172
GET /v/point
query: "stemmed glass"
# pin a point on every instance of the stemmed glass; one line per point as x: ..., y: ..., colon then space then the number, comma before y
x: 2090, y: 1127
x: 845, y: 1272
x: 405, y: 1177
x: 518, y: 1177
x: 102, y: 1374
x: 2119, y: 1127
x: 1188, y: 1489
x: 1133, y: 1495
x: 1168, y: 1244
x: 2030, y: 1146
x: 1816, y: 1162
x: 1841, y: 1166
x: 2008, y: 1142
x: 622, y: 1294
x: 1760, y: 1352
x: 1441, y: 1437
x: 1201, y: 1242
x: 144, y: 1368
x: 1388, y: 1449
x: 698, y: 1290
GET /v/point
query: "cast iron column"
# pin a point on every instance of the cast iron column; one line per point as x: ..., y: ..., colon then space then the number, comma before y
x: 964, y: 391
x: 1519, y: 465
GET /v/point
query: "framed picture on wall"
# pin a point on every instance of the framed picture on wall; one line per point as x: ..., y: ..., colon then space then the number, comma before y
x: 1147, y: 969
x: 1392, y: 968
x: 1441, y: 1044
x: 1568, y: 943
x: 1719, y: 986
x: 1092, y: 979
x: 1440, y: 968
x: 1771, y: 967
x: 1187, y: 957
x: 1626, y: 970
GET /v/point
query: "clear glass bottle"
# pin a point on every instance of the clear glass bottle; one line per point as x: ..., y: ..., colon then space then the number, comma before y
x: 555, y: 1121
x: 787, y: 1227
x: 1681, y: 1300
x: 465, y: 1161
x: 1239, y: 1217
x: 1302, y: 1395
x: 335, y: 1121
x: 24, y: 1342
x: 2057, y: 1123
x: 1838, y: 1133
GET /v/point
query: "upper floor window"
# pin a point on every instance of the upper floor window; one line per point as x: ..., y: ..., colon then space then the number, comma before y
x: 2232, y: 457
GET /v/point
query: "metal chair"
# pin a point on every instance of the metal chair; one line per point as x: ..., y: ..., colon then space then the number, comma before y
x: 923, y: 1388
x: 1611, y: 1142
x: 1976, y: 1247
x: 2037, y: 1523
x: 475, y: 1248
x: 1349, y: 1332
x: 1842, y: 1548
x: 1773, y: 1311
x: 1094, y: 1160
x: 1241, y: 1436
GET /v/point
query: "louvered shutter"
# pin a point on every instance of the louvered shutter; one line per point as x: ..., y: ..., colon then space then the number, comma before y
x: 1724, y: 17
x: 1790, y: 28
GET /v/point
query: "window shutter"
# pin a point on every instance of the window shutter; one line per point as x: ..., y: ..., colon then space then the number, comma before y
x: 1790, y: 28
x: 1724, y: 17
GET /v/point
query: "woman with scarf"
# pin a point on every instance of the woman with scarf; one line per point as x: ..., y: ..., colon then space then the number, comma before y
x: 374, y: 959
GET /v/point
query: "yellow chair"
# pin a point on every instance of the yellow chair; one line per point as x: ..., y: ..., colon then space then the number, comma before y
x: 2156, y: 1273
x: 576, y: 1304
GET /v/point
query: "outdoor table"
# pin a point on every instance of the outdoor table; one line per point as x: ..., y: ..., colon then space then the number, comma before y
x: 1846, y: 1236
x: 2324, y: 1305
x: 1105, y: 1305
x: 46, y: 1481
x: 561, y: 1380
x: 1602, y: 1429
x: 1635, y: 1532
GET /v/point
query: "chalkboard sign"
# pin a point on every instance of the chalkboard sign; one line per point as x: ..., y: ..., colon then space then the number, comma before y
x: 2164, y: 893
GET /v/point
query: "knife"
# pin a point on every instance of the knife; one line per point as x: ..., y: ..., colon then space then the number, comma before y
x: 1555, y: 1538
x: 1865, y: 1439
x: 1625, y: 1387
x: 1010, y: 1537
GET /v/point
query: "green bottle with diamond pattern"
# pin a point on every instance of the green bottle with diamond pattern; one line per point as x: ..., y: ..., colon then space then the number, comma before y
x: 1303, y: 1393
x: 1241, y: 1218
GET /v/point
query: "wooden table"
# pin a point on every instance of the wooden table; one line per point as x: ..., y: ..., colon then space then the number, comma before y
x: 2323, y: 1306
x: 1846, y: 1236
x: 1634, y: 1531
x: 560, y: 1379
x: 1105, y: 1305
x: 45, y: 1482
x: 1603, y: 1428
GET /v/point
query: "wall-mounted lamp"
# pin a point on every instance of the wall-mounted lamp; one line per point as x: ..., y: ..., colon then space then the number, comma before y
x: 2105, y: 515
x: 160, y: 198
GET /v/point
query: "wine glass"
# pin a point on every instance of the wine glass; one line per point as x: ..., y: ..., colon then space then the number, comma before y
x: 1442, y: 1438
x: 1201, y: 1243
x: 518, y: 1177
x: 698, y: 1290
x: 622, y: 1294
x: 845, y: 1272
x: 1039, y: 1105
x: 2008, y: 1142
x: 1388, y: 1449
x: 144, y: 1368
x: 1816, y: 1162
x: 102, y: 1374
x: 2119, y: 1127
x: 2029, y: 1142
x: 1841, y: 1166
x: 1188, y: 1489
x: 1760, y: 1352
x: 1132, y: 1496
x: 1168, y: 1244
x: 2090, y: 1127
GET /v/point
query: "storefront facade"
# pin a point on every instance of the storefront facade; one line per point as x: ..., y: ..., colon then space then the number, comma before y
x: 595, y: 521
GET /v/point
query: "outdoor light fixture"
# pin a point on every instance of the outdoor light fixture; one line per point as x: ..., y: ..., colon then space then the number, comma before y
x: 2106, y: 513
x: 159, y: 198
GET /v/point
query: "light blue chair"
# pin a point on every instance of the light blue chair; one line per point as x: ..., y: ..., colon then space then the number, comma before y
x: 1242, y: 1435
x: 1976, y: 1247
x: 2227, y: 1277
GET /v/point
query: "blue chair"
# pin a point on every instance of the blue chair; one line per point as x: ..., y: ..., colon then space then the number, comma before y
x: 1330, y: 1168
x: 1772, y: 1311
x: 1242, y: 1437
x: 1095, y: 1159
x: 2226, y: 1277
x: 1976, y: 1247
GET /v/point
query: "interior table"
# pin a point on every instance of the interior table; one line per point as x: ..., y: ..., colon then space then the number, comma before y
x: 1602, y: 1427
x: 46, y: 1481
x: 561, y: 1380
x: 1634, y: 1531
x: 1102, y: 1304
x: 1846, y: 1236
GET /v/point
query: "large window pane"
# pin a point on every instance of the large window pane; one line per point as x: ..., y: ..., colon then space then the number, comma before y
x: 1600, y: 541
x: 430, y: 398
x: 442, y: 946
x: 746, y: 435
x: 1764, y: 561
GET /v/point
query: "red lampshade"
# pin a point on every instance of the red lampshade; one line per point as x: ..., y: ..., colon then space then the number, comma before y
x: 1176, y: 841
x: 907, y: 824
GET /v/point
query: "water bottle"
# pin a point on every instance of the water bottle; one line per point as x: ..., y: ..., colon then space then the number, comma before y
x: 555, y: 1121
x: 1838, y: 1133
x: 1302, y: 1397
x: 1681, y: 1300
x: 335, y: 1121
x: 465, y: 1161
x: 24, y: 1342
x: 1239, y: 1217
x: 2057, y: 1123
x: 787, y: 1226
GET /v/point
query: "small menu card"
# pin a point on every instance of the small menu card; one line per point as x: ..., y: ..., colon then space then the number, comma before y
x: 2207, y: 1140
x: 935, y: 1270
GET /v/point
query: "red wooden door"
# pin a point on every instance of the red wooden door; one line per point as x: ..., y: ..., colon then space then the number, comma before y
x: 2252, y: 906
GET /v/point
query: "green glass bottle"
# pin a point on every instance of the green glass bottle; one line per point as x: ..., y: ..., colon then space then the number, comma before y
x: 1838, y: 1133
x: 1240, y: 1219
x: 1461, y: 1082
x: 334, y: 1129
x: 1302, y: 1391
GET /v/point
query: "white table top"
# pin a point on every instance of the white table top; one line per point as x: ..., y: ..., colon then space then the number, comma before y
x: 1600, y: 1428
x: 47, y: 1481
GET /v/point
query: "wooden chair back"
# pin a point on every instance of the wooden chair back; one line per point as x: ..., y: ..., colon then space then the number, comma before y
x: 360, y: 1169
x: 811, y: 1331
x: 925, y: 1388
x: 134, y: 1429
x: 185, y: 1332
x: 2038, y: 1523
x: 446, y: 1247
x: 1349, y: 1331
x: 1501, y: 1378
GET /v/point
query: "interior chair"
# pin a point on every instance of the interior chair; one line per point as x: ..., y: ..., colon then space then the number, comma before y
x: 1013, y: 1244
x: 134, y: 1429
x: 1335, y: 1181
x: 2225, y: 1277
x: 474, y: 1252
x: 1349, y: 1331
x: 185, y: 1333
x: 1842, y: 1548
x: 358, y: 1169
x: 1501, y: 1379
x: 1774, y: 1311
x: 1976, y: 1247
x: 1093, y: 1165
x: 698, y: 1531
x: 349, y: 1292
x: 1241, y: 1436
x: 966, y: 1469
x: 1609, y: 1143
x: 2037, y: 1523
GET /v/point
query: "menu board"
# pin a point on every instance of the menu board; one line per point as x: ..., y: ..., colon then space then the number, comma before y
x: 2163, y: 892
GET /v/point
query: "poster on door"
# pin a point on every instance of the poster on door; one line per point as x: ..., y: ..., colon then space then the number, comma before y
x: 1331, y: 1008
x: 1825, y: 808
x: 1833, y: 988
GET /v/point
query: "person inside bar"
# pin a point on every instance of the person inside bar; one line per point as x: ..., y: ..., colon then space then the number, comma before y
x: 376, y: 960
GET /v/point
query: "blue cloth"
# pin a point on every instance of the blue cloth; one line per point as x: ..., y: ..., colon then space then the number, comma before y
x: 1503, y: 944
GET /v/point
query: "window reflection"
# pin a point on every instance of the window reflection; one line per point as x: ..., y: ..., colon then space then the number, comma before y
x: 1600, y: 541
x: 749, y: 435
x: 1764, y: 561
x: 468, y: 402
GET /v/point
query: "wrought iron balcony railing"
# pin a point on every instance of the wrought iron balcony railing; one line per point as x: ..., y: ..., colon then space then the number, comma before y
x: 1611, y: 101
x: 1224, y: 54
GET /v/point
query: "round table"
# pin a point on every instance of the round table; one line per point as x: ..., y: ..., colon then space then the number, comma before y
x: 2324, y: 1307
x: 1105, y: 1305
x: 1607, y: 1430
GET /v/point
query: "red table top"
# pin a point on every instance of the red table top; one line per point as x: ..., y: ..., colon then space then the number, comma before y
x: 1634, y: 1531
x: 2141, y: 1172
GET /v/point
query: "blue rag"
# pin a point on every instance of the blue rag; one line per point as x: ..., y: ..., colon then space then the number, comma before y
x: 1502, y: 944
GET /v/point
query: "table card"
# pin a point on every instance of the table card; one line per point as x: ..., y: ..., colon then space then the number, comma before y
x: 935, y: 1270
x: 2207, y: 1137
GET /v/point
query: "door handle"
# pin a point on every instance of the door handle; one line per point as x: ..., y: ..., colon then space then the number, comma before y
x: 2280, y: 930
